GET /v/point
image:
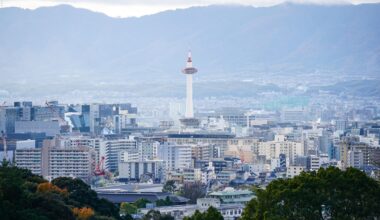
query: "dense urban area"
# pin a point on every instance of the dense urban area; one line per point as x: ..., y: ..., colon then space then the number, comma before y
x: 181, y: 162
x: 280, y: 121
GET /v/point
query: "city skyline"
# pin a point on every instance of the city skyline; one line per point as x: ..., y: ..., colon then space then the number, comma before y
x: 105, y: 118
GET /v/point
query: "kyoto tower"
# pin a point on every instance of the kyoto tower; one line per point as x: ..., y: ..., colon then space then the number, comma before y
x: 189, y: 121
x: 189, y: 70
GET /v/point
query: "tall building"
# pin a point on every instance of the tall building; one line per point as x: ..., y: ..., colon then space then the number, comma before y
x: 29, y: 158
x: 352, y: 149
x: 52, y: 161
x: 8, y: 118
x: 113, y: 148
x: 355, y: 159
x: 189, y: 70
x: 312, y: 163
x: 175, y: 156
x: 142, y: 170
x: 76, y: 162
x: 50, y: 128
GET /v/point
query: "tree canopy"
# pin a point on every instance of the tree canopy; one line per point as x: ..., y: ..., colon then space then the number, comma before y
x: 156, y: 215
x: 211, y: 214
x: 327, y: 194
x: 24, y: 195
x: 193, y: 191
x: 169, y: 186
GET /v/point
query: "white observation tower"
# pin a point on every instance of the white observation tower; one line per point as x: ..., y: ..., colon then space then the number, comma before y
x: 189, y: 70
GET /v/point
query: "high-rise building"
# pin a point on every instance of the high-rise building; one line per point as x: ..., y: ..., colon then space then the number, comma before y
x: 355, y: 159
x: 351, y: 147
x: 113, y: 148
x: 76, y: 162
x: 29, y: 158
x: 175, y: 156
x: 312, y: 163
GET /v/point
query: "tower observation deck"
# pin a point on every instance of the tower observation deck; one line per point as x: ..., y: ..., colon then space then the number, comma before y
x: 189, y: 70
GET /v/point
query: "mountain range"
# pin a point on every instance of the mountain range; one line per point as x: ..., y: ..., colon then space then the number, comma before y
x: 63, y: 44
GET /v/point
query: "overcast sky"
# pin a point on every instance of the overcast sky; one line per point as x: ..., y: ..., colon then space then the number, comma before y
x: 127, y: 8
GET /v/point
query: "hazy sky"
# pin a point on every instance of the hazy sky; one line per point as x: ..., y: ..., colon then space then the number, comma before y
x: 126, y: 8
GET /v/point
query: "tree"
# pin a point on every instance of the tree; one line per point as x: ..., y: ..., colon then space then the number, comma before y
x: 81, y: 195
x: 156, y: 215
x: 328, y: 193
x: 169, y: 186
x: 49, y: 187
x: 83, y: 213
x: 164, y: 202
x: 193, y: 191
x: 211, y: 214
x: 127, y: 208
x: 19, y: 198
x: 141, y: 203
x: 25, y: 196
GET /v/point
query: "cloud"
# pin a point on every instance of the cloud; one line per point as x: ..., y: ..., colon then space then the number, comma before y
x: 127, y: 8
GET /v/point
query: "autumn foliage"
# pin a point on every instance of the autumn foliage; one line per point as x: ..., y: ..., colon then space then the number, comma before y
x: 48, y: 187
x: 83, y: 213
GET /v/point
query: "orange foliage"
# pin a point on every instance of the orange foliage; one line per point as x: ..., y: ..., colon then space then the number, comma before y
x: 49, y: 187
x: 83, y: 213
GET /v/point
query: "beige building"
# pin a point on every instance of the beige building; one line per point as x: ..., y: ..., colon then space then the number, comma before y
x: 368, y: 154
x: 249, y: 149
x: 78, y: 162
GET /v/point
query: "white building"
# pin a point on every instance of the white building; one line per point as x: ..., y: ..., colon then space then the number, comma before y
x: 25, y: 144
x: 355, y: 159
x: 113, y: 148
x: 313, y: 163
x: 147, y: 150
x: 29, y: 158
x: 131, y: 155
x: 175, y: 156
x: 191, y: 175
x: 135, y: 170
x: 273, y: 149
x: 293, y: 171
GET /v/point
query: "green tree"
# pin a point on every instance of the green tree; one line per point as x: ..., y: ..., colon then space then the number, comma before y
x: 211, y: 214
x: 169, y: 186
x: 328, y: 193
x: 80, y: 194
x: 24, y: 195
x: 164, y: 202
x: 141, y: 203
x: 19, y: 198
x: 128, y: 208
x: 156, y: 215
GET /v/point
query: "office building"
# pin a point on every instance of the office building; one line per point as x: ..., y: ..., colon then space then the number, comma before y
x: 176, y: 157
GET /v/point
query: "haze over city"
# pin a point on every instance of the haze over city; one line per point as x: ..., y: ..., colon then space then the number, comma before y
x: 189, y: 110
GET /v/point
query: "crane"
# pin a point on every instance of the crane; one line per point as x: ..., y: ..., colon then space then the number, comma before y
x: 99, y: 169
x: 62, y: 122
x: 241, y: 153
